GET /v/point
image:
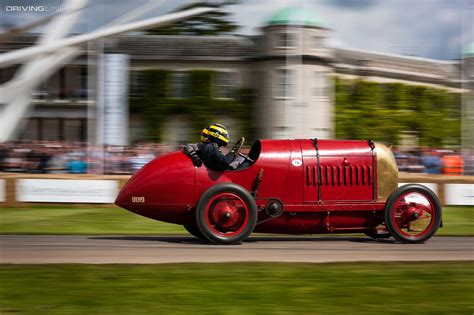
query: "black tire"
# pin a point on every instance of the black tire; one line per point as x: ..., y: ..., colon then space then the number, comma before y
x: 207, y: 205
x: 377, y: 234
x: 194, y: 231
x: 392, y: 226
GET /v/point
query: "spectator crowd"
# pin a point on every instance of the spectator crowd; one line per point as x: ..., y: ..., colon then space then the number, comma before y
x: 76, y: 158
x: 81, y: 158
x: 434, y: 161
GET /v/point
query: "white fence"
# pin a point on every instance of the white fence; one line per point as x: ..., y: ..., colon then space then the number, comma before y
x: 459, y: 194
x: 2, y: 190
x: 66, y: 190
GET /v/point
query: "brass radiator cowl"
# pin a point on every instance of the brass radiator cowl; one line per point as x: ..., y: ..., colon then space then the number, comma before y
x: 387, y: 171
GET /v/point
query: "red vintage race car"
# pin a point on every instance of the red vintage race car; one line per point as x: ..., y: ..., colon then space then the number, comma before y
x: 289, y: 187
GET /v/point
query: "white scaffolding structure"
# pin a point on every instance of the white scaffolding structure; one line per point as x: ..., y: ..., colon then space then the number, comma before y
x: 54, y: 49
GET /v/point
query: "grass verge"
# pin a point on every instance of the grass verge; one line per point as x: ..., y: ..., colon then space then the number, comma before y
x: 74, y: 220
x: 238, y: 288
x: 457, y: 221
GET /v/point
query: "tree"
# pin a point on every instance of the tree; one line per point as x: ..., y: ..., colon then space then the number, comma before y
x: 211, y: 23
x: 383, y: 111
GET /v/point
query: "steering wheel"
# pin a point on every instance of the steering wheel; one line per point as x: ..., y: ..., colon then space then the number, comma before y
x: 238, y: 146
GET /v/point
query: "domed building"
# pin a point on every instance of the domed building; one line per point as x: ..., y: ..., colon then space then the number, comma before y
x: 294, y: 64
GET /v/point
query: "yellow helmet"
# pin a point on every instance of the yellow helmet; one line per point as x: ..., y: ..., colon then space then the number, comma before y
x: 215, y: 133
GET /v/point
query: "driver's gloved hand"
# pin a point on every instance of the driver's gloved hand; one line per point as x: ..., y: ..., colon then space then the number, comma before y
x: 196, y: 160
x: 190, y: 150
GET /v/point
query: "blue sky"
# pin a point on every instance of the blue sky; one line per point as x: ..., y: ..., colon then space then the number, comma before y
x: 439, y: 29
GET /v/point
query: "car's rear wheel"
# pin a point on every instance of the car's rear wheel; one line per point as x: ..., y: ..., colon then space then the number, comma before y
x: 226, y: 214
x: 412, y: 213
x: 194, y: 231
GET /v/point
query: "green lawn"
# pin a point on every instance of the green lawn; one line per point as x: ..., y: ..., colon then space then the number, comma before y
x: 457, y: 221
x: 239, y: 288
x: 73, y: 220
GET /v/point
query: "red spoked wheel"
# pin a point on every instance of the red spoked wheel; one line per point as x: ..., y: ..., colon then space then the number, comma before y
x: 226, y: 214
x: 412, y: 213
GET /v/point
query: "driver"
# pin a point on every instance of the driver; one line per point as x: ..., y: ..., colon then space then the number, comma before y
x: 208, y: 152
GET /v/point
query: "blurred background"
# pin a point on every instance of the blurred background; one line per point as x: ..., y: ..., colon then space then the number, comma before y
x: 394, y: 71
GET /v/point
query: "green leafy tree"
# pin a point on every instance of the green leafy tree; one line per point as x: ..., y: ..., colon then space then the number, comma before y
x: 211, y: 23
x: 384, y: 111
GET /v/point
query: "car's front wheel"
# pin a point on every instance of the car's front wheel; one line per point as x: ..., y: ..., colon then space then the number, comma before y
x: 226, y: 214
x: 412, y: 213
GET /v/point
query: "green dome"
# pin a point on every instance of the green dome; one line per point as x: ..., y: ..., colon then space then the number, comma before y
x: 294, y: 16
x: 469, y: 51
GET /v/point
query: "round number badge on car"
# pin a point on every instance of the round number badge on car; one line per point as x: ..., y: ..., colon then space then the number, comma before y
x: 296, y: 162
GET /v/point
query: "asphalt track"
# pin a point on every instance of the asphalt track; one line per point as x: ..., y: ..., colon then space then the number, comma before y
x: 36, y: 249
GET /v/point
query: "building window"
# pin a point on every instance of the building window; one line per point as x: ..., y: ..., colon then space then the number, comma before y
x: 224, y: 84
x: 285, y: 83
x: 32, y: 131
x: 179, y: 85
x: 320, y: 84
x: 286, y: 40
x: 72, y: 129
x: 83, y: 92
x: 51, y: 129
x: 62, y: 83
x: 136, y: 83
x: 318, y: 42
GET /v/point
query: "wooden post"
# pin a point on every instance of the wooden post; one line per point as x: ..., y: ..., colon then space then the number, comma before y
x: 441, y: 194
x: 10, y: 191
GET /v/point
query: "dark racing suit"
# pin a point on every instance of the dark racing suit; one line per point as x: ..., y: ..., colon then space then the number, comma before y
x: 209, y: 154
